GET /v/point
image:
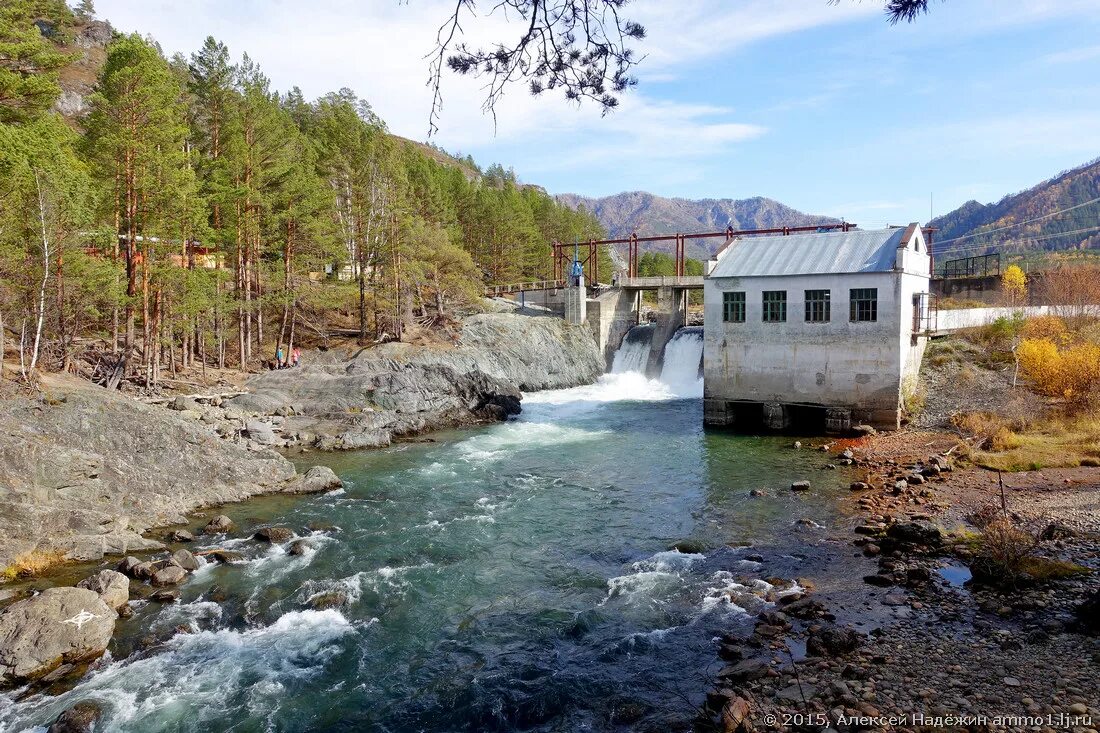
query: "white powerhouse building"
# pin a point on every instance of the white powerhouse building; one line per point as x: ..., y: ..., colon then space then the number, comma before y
x: 820, y: 331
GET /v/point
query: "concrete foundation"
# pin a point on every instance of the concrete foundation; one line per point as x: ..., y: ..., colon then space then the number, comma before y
x: 610, y: 315
x: 753, y: 417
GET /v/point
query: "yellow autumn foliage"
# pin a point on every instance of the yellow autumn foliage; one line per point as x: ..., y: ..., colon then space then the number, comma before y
x: 1051, y: 328
x: 1014, y: 284
x: 1072, y: 372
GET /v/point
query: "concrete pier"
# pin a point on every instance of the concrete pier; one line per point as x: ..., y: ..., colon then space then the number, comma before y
x: 671, y: 316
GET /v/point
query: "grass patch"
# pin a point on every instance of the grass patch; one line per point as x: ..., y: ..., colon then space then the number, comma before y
x: 32, y: 563
x: 1059, y: 440
x: 1044, y: 568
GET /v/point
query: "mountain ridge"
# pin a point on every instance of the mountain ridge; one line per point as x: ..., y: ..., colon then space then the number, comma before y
x: 649, y: 214
x: 961, y: 234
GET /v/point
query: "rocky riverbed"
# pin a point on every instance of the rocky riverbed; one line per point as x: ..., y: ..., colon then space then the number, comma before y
x: 945, y: 650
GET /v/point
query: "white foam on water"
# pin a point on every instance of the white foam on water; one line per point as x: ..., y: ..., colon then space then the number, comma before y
x: 277, y: 563
x: 379, y: 580
x: 727, y: 595
x: 503, y: 441
x: 653, y: 578
x: 192, y: 615
x: 670, y: 561
x: 199, y: 679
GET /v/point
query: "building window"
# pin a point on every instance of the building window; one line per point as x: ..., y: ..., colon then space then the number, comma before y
x: 864, y: 304
x: 733, y: 307
x: 817, y: 306
x: 775, y: 306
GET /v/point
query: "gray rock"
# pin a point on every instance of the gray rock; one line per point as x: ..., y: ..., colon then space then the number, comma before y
x: 796, y: 693
x: 100, y: 490
x: 832, y: 641
x: 299, y: 547
x: 184, y: 403
x: 224, y: 557
x: 143, y: 571
x: 274, y: 535
x: 261, y: 432
x: 800, y: 486
x: 365, y: 398
x: 181, y: 535
x: 80, y: 718
x: 915, y: 533
x: 318, y: 479
x: 744, y: 671
x: 171, y: 575
x: 185, y: 560
x: 126, y: 567
x: 166, y: 595
x: 219, y: 525
x: 55, y: 627
x: 113, y: 587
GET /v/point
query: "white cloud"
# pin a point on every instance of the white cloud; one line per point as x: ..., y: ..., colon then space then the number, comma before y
x: 1073, y: 55
x: 380, y: 50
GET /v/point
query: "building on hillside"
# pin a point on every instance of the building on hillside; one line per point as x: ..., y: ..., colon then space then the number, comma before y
x: 819, y: 332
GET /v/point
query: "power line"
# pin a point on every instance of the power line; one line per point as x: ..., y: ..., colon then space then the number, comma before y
x: 1020, y: 223
x: 991, y: 245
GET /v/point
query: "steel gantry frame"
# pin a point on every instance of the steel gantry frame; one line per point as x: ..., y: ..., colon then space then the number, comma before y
x: 588, y: 253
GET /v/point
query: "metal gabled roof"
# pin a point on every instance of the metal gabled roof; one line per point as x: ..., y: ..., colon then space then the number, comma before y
x: 873, y: 250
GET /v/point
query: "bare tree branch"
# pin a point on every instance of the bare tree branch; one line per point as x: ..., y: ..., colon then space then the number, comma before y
x: 580, y: 47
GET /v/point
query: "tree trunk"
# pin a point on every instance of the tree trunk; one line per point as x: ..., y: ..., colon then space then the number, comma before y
x: 45, y: 271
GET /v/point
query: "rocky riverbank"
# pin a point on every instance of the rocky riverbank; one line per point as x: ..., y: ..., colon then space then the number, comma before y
x: 950, y: 646
x: 85, y: 473
x: 346, y: 399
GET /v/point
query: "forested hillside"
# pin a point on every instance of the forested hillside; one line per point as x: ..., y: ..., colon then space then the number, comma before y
x: 179, y: 210
x: 646, y: 214
x: 963, y: 231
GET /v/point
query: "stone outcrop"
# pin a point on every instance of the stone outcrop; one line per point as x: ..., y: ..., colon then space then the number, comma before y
x: 111, y: 586
x: 85, y: 472
x: 57, y: 626
x: 366, y: 398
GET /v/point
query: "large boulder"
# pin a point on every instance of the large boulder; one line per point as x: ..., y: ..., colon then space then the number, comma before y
x: 170, y: 575
x: 273, y: 535
x: 57, y: 626
x: 80, y: 718
x: 113, y: 587
x: 261, y: 432
x: 913, y: 534
x: 218, y: 525
x: 318, y: 479
x: 832, y: 641
x: 185, y: 560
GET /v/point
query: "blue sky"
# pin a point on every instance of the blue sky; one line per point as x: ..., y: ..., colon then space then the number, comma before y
x: 826, y: 108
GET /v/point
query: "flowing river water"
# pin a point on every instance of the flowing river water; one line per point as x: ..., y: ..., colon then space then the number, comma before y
x: 513, y: 577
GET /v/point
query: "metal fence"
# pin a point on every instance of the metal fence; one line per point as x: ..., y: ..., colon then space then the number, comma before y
x: 980, y: 266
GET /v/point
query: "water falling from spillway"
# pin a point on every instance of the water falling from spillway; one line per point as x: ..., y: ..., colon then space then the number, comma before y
x: 682, y: 362
x: 680, y: 377
x: 634, y: 351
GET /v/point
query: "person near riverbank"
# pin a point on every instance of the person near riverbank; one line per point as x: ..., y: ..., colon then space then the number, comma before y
x: 279, y: 358
x: 295, y: 356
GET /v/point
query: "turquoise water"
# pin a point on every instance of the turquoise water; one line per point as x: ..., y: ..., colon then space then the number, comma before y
x: 514, y: 577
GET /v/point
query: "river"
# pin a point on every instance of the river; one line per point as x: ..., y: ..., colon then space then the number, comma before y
x: 512, y: 577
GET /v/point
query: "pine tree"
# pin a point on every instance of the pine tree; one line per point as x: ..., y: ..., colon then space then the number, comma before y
x: 29, y: 62
x: 136, y: 137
